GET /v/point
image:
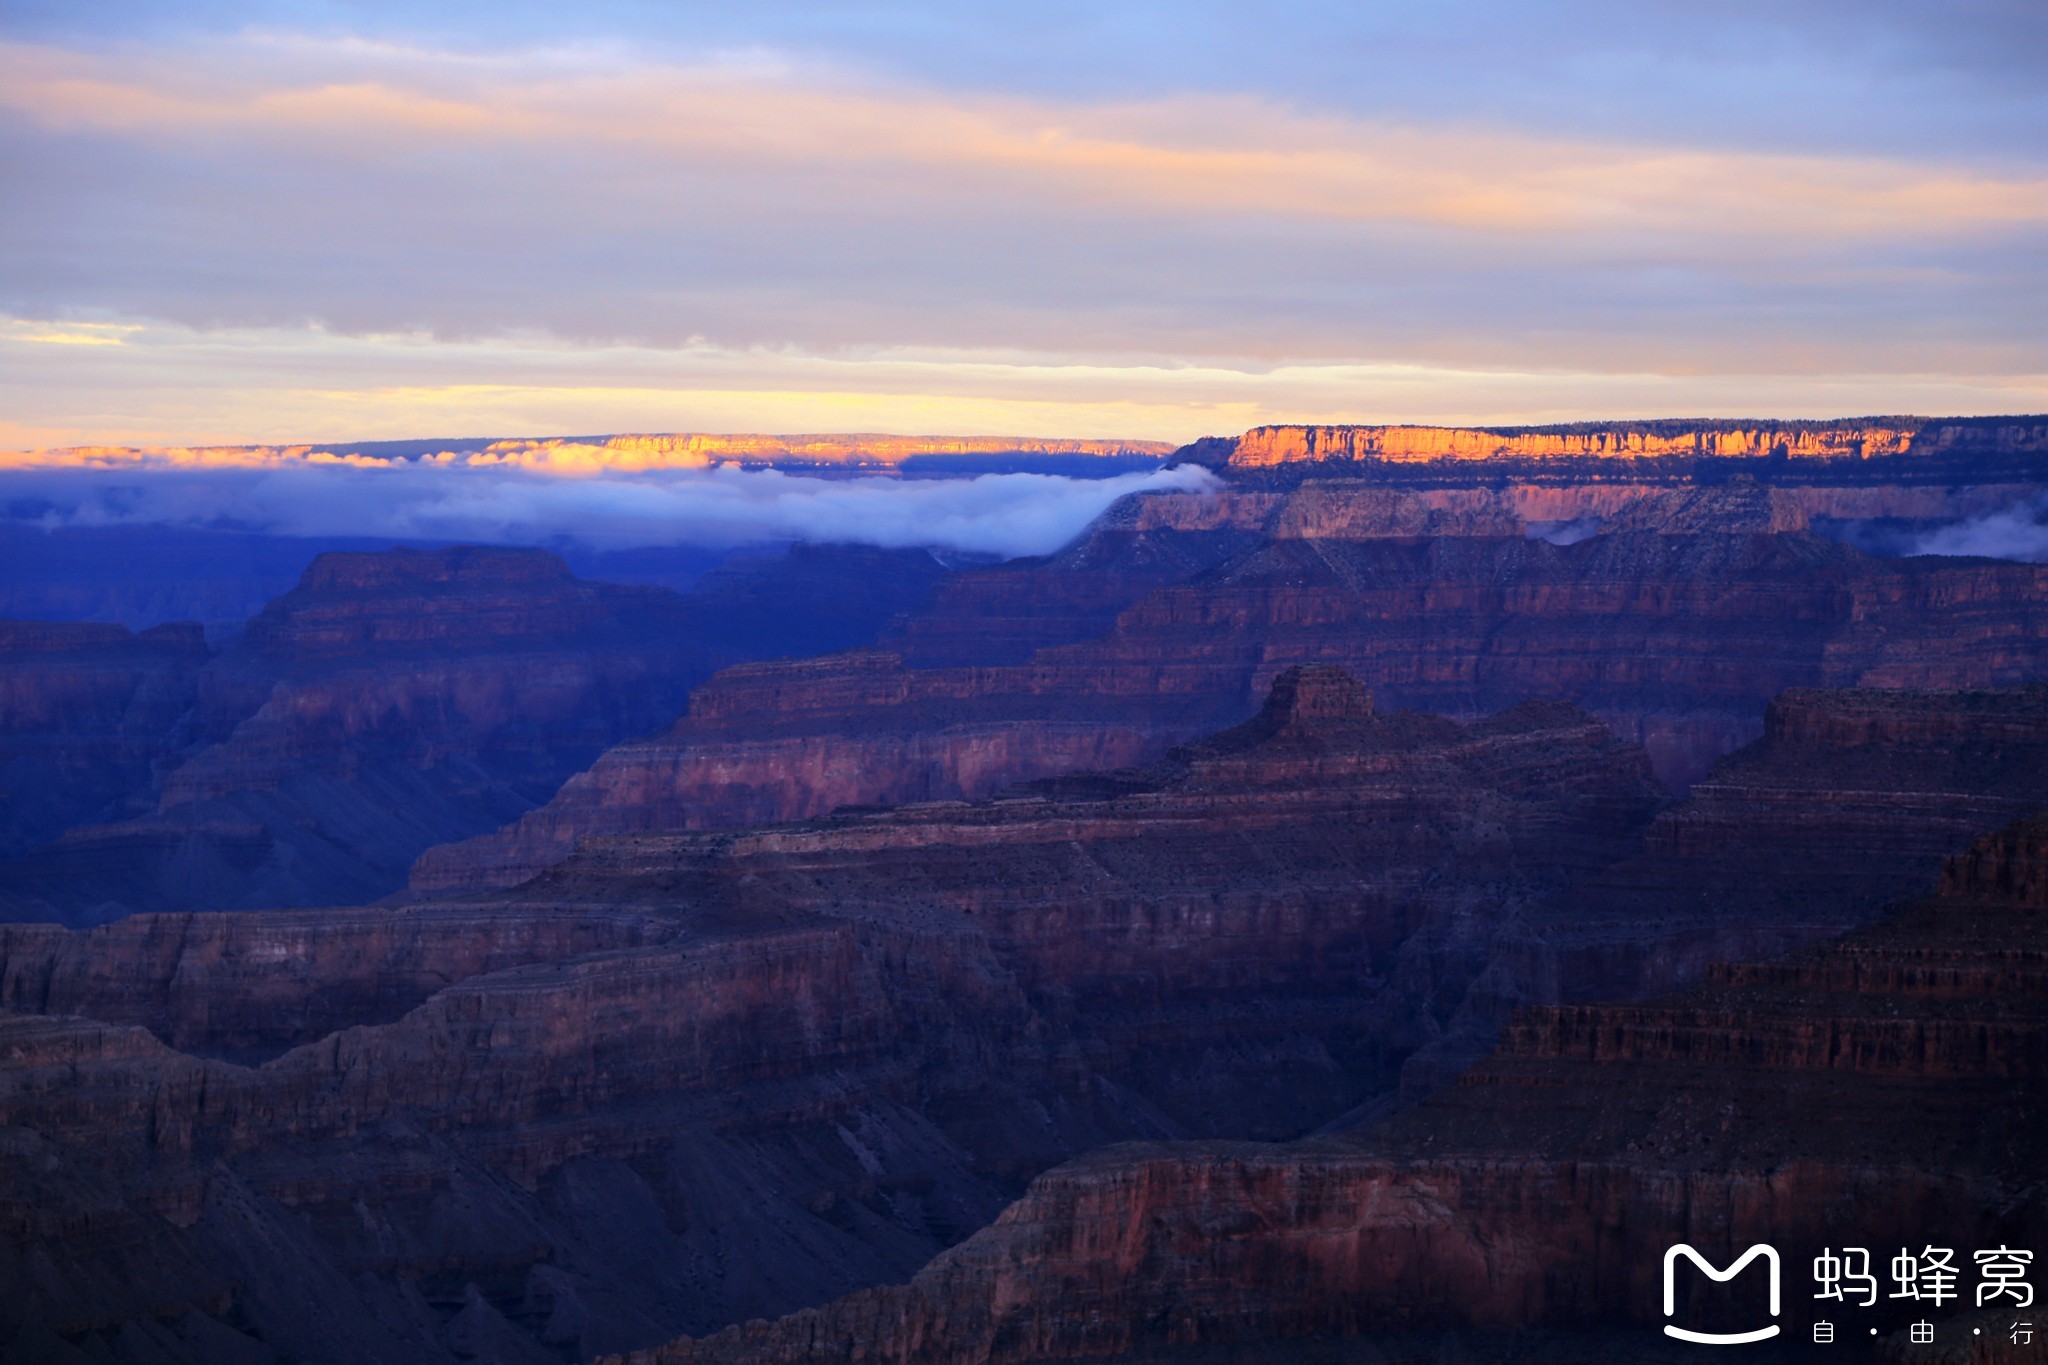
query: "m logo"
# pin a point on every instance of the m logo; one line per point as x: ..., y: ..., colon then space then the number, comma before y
x: 1770, y: 1256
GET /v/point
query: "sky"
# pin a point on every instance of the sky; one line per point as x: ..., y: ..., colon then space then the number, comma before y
x: 233, y: 222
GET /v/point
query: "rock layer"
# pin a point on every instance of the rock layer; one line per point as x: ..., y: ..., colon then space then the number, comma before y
x: 687, y: 1079
x: 1676, y: 622
x: 86, y: 715
x: 1931, y: 442
x: 397, y: 700
x: 690, y: 1079
x: 1770, y: 1105
x: 703, y: 1077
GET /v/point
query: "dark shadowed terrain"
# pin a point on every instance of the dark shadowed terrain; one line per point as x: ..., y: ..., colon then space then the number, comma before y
x: 1360, y: 913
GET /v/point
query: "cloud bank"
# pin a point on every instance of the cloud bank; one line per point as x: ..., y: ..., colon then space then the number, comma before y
x: 995, y: 514
x: 2019, y: 532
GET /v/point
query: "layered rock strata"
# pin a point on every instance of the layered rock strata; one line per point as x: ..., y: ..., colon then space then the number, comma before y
x: 1246, y: 928
x: 686, y: 1080
x: 86, y: 715
x: 251, y: 986
x: 951, y: 707
x: 1884, y: 1091
x: 1849, y: 798
x: 1930, y: 449
x: 398, y: 700
x: 1675, y: 620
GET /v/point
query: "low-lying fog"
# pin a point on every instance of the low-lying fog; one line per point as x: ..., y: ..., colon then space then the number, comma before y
x: 1003, y: 515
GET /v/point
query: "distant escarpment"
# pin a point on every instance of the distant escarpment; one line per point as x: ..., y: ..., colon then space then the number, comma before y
x: 862, y: 452
x: 1674, y: 614
x: 1864, y: 449
x: 86, y: 717
x: 390, y: 702
x: 1881, y: 1092
x: 961, y: 703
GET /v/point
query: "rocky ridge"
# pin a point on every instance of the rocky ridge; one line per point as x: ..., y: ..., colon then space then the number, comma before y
x: 670, y: 450
x: 1939, y: 445
x: 397, y: 700
x: 1768, y: 1104
x: 1674, y: 614
x: 689, y: 1079
x: 805, y: 1057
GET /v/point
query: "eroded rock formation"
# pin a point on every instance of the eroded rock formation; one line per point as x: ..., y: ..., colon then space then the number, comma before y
x: 689, y: 1079
x: 392, y: 701
x: 1883, y: 1091
x: 1937, y: 444
x: 86, y: 715
x: 1677, y: 615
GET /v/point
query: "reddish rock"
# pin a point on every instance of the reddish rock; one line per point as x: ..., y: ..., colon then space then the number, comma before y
x: 259, y: 983
x: 691, y: 1079
x: 1675, y: 627
x: 1833, y: 1100
x: 809, y: 1054
x: 1933, y: 444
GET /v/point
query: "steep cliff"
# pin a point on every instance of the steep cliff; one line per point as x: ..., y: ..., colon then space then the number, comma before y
x: 1907, y: 448
x: 687, y: 1080
x: 86, y: 717
x: 397, y: 700
x: 951, y: 707
x: 788, y: 741
x: 1849, y: 798
x: 1248, y: 928
x: 1882, y: 1091
x: 1675, y: 619
x: 251, y: 986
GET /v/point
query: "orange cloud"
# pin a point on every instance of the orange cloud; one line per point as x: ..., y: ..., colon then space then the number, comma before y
x: 1218, y: 157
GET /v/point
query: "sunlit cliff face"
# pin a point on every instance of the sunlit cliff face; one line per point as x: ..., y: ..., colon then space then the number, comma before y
x: 242, y: 229
x: 595, y: 455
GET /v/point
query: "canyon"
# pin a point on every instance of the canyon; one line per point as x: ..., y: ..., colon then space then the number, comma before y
x: 1675, y: 613
x: 1672, y: 600
x: 811, y: 1055
x: 390, y: 702
x: 1356, y: 907
x: 689, y: 1079
x: 1526, y: 1208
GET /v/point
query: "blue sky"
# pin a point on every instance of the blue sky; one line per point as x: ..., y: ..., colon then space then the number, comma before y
x: 272, y: 222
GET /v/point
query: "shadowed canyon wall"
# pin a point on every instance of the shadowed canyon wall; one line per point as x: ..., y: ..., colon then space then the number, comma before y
x: 1675, y: 617
x: 390, y: 702
x: 1540, y: 1192
x: 690, y: 1079
x: 738, y: 976
x: 86, y: 718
